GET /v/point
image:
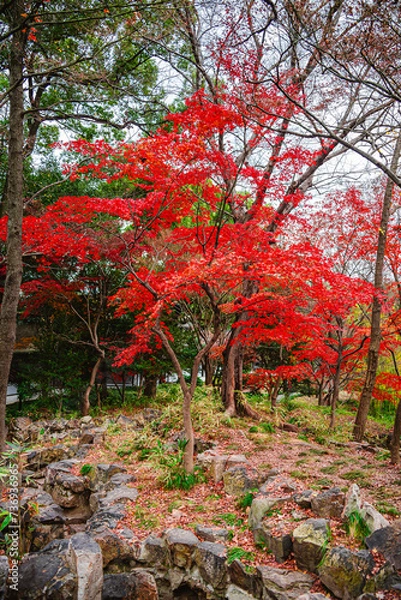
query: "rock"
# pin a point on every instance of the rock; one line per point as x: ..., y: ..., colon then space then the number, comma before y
x: 4, y: 573
x: 120, y: 495
x: 19, y: 428
x: 37, y: 459
x: 181, y: 544
x: 310, y: 540
x: 152, y: 414
x: 279, y: 543
x: 211, y: 534
x: 283, y: 584
x: 373, y: 519
x: 104, y: 472
x: 388, y: 542
x: 352, y: 501
x: 86, y: 559
x: 260, y: 507
x: 239, y: 480
x: 101, y: 528
x: 353, y: 504
x: 344, y: 572
x: 304, y: 499
x: 235, y: 593
x: 138, y: 584
x: 119, y: 479
x: 217, y: 467
x: 154, y: 552
x: 242, y: 578
x: 329, y: 503
x: 309, y: 596
x: 64, y: 569
x: 46, y: 574
x: 211, y: 559
x: 87, y: 437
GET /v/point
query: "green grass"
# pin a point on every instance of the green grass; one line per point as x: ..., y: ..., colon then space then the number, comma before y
x: 238, y: 553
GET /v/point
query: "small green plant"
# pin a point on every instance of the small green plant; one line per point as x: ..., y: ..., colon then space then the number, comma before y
x: 230, y: 519
x: 267, y: 427
x: 253, y: 429
x: 299, y: 475
x: 356, y: 526
x: 86, y: 469
x: 330, y: 469
x: 246, y: 500
x: 388, y: 509
x: 237, y: 553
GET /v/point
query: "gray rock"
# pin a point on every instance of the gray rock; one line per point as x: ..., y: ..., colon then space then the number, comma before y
x: 261, y: 505
x: 211, y: 560
x: 64, y: 569
x: 279, y: 543
x: 309, y: 596
x: 211, y: 534
x: 329, y: 503
x: 284, y: 585
x: 344, y: 572
x: 120, y: 495
x: 251, y: 582
x: 217, y: 467
x: 181, y: 544
x: 304, y: 499
x: 86, y: 559
x: 4, y: 572
x: 239, y: 480
x: 100, y: 527
x: 104, y: 472
x: 373, y: 519
x: 388, y: 542
x: 310, y: 540
x: 138, y: 584
x: 154, y: 552
x: 235, y: 593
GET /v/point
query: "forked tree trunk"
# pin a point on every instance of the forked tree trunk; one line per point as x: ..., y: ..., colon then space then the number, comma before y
x: 15, y: 207
x: 375, y: 328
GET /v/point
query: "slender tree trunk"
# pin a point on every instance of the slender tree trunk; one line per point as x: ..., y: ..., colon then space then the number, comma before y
x: 15, y: 206
x: 375, y: 328
x: 150, y: 386
x: 395, y: 442
x: 85, y: 401
x: 335, y: 392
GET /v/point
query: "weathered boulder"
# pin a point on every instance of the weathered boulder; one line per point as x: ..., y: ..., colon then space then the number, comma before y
x: 388, y: 542
x: 37, y: 459
x: 353, y: 504
x: 4, y: 572
x: 284, y: 584
x: 104, y: 472
x: 344, y: 572
x: 304, y: 499
x: 275, y: 539
x: 250, y: 582
x: 64, y: 569
x: 211, y: 534
x: 101, y: 528
x: 211, y: 560
x: 239, y: 480
x: 260, y: 507
x: 235, y: 593
x: 310, y: 540
x: 154, y: 553
x: 181, y: 544
x: 138, y: 584
x: 121, y: 495
x: 329, y: 503
x: 85, y: 557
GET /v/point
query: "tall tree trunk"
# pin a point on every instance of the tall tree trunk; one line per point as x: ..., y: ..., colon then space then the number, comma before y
x: 15, y: 206
x: 150, y: 386
x: 395, y: 442
x: 86, y: 401
x: 375, y: 328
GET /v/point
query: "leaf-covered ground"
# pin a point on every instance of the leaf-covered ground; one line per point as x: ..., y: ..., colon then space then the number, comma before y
x: 311, y: 457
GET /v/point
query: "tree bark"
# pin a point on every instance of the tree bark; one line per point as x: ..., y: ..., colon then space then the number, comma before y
x: 15, y: 207
x: 150, y: 386
x: 375, y: 328
x: 86, y: 401
x: 395, y: 442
